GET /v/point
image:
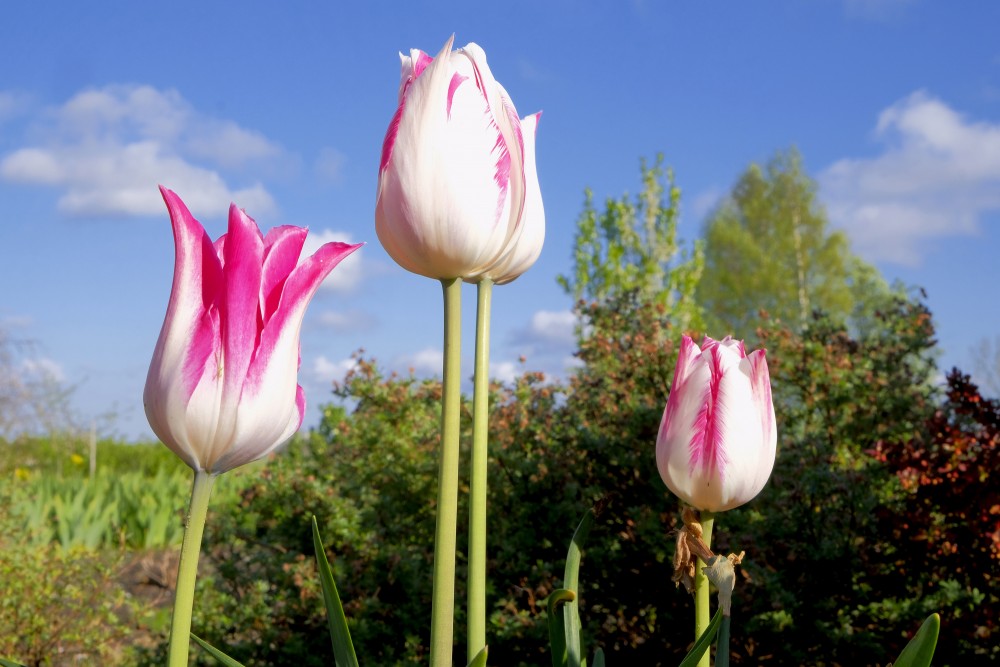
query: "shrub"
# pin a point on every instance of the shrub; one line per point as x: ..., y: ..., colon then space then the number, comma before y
x: 60, y: 606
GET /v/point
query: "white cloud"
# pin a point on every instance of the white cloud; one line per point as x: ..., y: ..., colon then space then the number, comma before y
x: 325, y: 370
x: 347, y: 321
x: 544, y: 344
x: 227, y: 144
x: 505, y: 371
x: 553, y: 326
x: 107, y: 149
x: 347, y: 275
x: 937, y: 176
x: 554, y: 367
x: 703, y: 203
x: 330, y: 165
x: 43, y: 368
x: 13, y: 103
x: 427, y: 361
x: 530, y: 71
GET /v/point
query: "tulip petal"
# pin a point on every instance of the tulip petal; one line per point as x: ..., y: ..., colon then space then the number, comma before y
x: 272, y: 405
x: 282, y: 248
x: 526, y: 247
x: 454, y: 175
x: 188, y: 340
x: 688, y: 354
x: 411, y: 67
x: 222, y: 386
x: 456, y: 81
x: 706, y: 450
x: 298, y: 290
x: 243, y: 251
x: 716, y: 444
x: 503, y: 117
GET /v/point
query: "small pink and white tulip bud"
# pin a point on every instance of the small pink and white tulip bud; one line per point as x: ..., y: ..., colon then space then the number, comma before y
x: 458, y: 192
x: 717, y: 440
x: 222, y: 388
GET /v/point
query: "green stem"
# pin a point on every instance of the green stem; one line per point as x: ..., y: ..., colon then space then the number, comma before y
x: 443, y: 600
x: 187, y: 570
x: 702, y: 613
x: 478, y: 475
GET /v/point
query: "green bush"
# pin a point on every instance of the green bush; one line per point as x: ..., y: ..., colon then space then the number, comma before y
x: 61, y: 606
x: 821, y: 583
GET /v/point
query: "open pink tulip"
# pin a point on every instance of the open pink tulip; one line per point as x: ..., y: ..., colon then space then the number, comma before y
x: 717, y: 440
x: 222, y: 388
x: 458, y: 192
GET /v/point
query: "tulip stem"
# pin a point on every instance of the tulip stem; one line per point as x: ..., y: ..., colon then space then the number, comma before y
x: 478, y: 480
x: 187, y: 569
x: 702, y: 613
x: 443, y: 598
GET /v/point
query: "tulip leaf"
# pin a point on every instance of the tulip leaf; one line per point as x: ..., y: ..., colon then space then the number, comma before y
x: 722, y: 648
x: 557, y: 632
x: 920, y: 650
x: 700, y: 646
x: 216, y: 653
x: 598, y: 658
x: 480, y: 659
x: 9, y: 663
x: 571, y: 581
x: 563, y: 605
x: 340, y: 634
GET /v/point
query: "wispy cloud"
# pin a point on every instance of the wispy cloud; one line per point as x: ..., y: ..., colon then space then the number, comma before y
x: 425, y: 362
x: 327, y: 370
x: 12, y: 104
x: 703, y: 203
x: 546, y: 343
x: 530, y: 71
x: 105, y: 148
x: 329, y: 165
x: 348, y: 274
x: 937, y: 176
x: 505, y: 371
x: 43, y: 368
x: 347, y: 321
x: 550, y: 327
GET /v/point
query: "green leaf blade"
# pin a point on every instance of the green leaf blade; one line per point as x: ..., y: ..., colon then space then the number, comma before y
x: 216, y: 653
x: 556, y: 606
x: 340, y: 634
x: 480, y: 659
x: 920, y: 650
x: 700, y: 646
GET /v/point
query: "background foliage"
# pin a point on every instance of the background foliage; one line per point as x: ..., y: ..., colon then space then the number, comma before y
x: 883, y: 506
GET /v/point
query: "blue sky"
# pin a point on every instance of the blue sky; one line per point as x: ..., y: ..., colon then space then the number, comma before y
x: 282, y: 107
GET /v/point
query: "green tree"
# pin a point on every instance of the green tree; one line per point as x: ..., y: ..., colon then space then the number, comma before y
x: 632, y: 247
x: 768, y: 248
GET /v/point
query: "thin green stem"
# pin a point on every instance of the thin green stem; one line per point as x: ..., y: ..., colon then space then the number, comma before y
x: 443, y: 600
x: 187, y: 570
x: 478, y: 475
x: 702, y: 613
